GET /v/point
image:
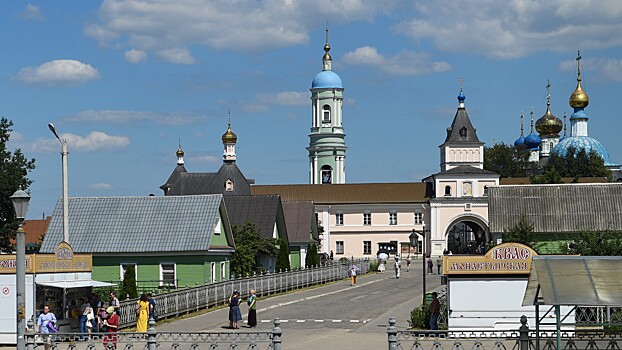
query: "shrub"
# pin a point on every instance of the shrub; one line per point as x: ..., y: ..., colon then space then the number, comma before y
x: 128, y: 286
x: 373, y: 265
x: 419, y: 318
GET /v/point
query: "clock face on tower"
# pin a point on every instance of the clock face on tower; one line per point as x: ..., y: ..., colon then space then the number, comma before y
x: 326, y: 177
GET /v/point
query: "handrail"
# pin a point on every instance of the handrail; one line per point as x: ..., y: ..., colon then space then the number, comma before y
x: 191, y: 299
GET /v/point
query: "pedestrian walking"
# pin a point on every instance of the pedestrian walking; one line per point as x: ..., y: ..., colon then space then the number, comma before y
x: 96, y: 305
x: 114, y: 302
x: 112, y: 326
x: 90, y: 320
x: 252, y: 310
x: 353, y: 275
x: 234, y: 310
x: 152, y: 307
x: 397, y: 266
x: 439, y: 264
x: 408, y: 263
x: 430, y: 266
x: 142, y: 313
x: 46, y: 323
x: 435, y: 311
x: 84, y: 310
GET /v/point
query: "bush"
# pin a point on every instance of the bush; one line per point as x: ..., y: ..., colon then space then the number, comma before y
x: 419, y: 318
x: 128, y: 286
x: 373, y: 265
x: 344, y: 260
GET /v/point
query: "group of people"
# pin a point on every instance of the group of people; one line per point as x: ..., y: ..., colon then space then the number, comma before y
x: 235, y: 315
x: 439, y: 265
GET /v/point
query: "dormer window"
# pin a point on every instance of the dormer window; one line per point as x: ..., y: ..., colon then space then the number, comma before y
x: 485, y: 190
x: 463, y: 132
x: 447, y: 190
x: 326, y: 114
x: 228, y: 185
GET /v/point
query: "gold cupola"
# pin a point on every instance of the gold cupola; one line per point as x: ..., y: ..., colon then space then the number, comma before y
x: 180, y: 152
x: 229, y: 136
x: 549, y: 124
x: 326, y: 56
x: 579, y: 98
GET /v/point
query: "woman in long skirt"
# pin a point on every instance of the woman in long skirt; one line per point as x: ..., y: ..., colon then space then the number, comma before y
x: 234, y: 310
x: 252, y: 309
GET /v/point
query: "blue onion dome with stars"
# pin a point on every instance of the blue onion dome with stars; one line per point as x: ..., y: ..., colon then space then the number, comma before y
x: 327, y: 79
x: 549, y: 125
x: 578, y: 101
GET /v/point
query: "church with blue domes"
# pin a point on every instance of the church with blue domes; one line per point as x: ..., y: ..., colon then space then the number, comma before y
x: 547, y: 140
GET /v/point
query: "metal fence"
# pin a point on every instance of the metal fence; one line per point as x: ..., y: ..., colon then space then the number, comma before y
x: 154, y: 340
x: 515, y: 339
x: 178, y: 302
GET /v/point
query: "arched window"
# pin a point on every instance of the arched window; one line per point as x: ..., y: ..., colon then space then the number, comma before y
x: 327, y: 174
x: 485, y: 190
x: 448, y: 190
x: 229, y: 185
x: 326, y: 114
x: 463, y: 132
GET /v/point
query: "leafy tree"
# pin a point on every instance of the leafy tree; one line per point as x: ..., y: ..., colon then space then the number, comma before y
x: 550, y: 176
x: 521, y: 232
x: 14, y: 169
x: 282, y: 261
x: 128, y: 286
x: 578, y: 163
x: 594, y: 243
x: 506, y: 160
x: 312, y: 258
x: 249, y: 247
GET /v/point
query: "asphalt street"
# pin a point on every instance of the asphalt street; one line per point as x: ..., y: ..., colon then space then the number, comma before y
x: 336, y: 313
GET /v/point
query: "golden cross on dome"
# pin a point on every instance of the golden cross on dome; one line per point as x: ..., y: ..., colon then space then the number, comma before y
x: 548, y: 92
x: 578, y: 65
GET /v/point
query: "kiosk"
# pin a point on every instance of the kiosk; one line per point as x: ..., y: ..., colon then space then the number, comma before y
x: 52, y: 279
x: 485, y: 292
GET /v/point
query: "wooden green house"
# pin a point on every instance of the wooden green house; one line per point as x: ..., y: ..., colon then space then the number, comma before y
x: 172, y: 241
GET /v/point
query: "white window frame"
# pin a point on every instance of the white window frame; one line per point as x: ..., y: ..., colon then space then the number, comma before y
x: 418, y: 217
x: 222, y: 271
x: 366, y: 247
x: 366, y: 219
x: 339, y: 219
x: 213, y: 272
x: 340, y: 244
x: 326, y: 110
x: 392, y: 218
x: 122, y: 271
x: 217, y: 227
x: 162, y: 273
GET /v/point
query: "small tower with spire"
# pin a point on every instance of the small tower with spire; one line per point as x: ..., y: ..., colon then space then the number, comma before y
x: 229, y: 139
x: 327, y: 148
x: 548, y: 126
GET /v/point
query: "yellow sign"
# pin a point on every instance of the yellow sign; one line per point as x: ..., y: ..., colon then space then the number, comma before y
x: 506, y: 258
x: 63, y: 260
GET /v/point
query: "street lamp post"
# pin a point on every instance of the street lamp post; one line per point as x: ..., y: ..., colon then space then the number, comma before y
x: 65, y: 187
x: 20, y: 203
x: 413, y: 237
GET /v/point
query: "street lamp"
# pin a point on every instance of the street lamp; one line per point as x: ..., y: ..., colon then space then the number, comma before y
x: 20, y: 203
x: 63, y: 153
x: 414, y: 238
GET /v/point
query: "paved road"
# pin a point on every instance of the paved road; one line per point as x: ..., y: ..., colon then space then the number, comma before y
x: 336, y: 314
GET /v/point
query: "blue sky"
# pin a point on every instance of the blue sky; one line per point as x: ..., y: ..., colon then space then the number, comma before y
x: 124, y: 81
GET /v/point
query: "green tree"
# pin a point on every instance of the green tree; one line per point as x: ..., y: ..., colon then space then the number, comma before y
x: 550, y: 176
x: 578, y: 163
x: 506, y: 160
x: 521, y: 232
x: 14, y: 169
x: 312, y: 258
x: 594, y: 243
x: 128, y: 286
x: 282, y: 261
x: 249, y: 247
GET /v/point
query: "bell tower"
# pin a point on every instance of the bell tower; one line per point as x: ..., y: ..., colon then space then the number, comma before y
x: 327, y: 149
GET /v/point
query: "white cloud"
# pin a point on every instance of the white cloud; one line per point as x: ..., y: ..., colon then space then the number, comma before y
x: 176, y: 55
x: 169, y: 28
x: 101, y: 186
x: 94, y: 141
x: 285, y: 98
x: 58, y: 73
x: 603, y: 69
x: 31, y: 13
x: 124, y: 117
x: 402, y: 63
x: 135, y: 56
x: 515, y: 28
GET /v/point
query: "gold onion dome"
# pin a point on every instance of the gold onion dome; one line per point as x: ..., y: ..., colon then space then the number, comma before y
x: 549, y: 124
x: 229, y: 136
x: 180, y: 152
x: 579, y: 98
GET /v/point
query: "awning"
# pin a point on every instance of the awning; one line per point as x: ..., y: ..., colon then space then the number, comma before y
x: 575, y: 280
x: 75, y: 284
